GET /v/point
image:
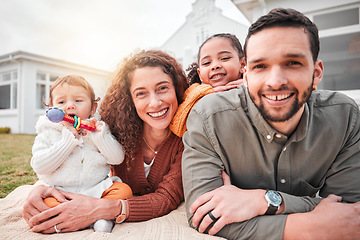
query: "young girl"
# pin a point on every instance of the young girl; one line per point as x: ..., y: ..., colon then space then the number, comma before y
x: 220, y: 67
x: 73, y: 160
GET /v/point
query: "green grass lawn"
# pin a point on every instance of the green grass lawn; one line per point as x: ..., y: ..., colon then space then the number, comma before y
x: 15, y: 155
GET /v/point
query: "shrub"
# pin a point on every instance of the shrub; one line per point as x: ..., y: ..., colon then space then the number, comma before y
x: 4, y: 130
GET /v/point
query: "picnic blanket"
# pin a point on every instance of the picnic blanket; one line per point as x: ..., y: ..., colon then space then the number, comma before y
x: 171, y: 226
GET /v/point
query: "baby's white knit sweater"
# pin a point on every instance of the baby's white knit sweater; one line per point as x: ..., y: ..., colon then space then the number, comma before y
x: 75, y: 165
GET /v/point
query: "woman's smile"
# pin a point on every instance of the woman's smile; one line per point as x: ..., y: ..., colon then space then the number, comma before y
x: 159, y: 113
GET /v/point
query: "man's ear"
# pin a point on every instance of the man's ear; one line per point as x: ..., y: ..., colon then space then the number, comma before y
x: 242, y: 67
x: 318, y: 72
x: 245, y: 78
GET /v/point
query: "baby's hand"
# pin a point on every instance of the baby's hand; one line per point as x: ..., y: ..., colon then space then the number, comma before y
x: 71, y: 128
x: 96, y: 123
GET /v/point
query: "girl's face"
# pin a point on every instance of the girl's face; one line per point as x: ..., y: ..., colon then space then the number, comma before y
x: 154, y: 97
x: 74, y: 100
x: 219, y: 62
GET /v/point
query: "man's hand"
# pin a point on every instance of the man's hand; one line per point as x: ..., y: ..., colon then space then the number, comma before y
x: 229, y: 204
x: 330, y: 220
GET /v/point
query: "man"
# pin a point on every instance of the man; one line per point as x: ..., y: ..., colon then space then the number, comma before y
x: 275, y: 159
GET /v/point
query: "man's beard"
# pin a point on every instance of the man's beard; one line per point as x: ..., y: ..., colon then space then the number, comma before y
x: 293, y: 110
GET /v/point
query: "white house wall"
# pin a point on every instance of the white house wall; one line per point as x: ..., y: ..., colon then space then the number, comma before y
x: 184, y: 43
x: 100, y: 84
x: 261, y: 7
x: 27, y: 94
x: 24, y: 117
x: 9, y: 117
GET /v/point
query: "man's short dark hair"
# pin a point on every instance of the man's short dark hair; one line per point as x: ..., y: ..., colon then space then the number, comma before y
x: 280, y: 17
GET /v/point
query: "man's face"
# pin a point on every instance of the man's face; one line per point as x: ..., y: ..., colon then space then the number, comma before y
x: 280, y: 72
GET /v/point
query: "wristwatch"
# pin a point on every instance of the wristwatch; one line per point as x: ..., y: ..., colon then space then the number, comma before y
x: 274, y: 201
x: 122, y: 216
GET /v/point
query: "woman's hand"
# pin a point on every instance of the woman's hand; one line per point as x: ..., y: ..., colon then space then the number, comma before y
x: 78, y: 212
x: 69, y: 216
x: 34, y: 204
x: 227, y: 203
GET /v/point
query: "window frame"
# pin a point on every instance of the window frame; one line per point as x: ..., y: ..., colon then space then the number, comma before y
x: 14, y: 87
x: 47, y: 82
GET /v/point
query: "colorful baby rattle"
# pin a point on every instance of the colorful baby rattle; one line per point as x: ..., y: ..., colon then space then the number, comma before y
x: 56, y: 115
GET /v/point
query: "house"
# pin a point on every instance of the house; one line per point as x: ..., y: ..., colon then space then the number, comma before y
x: 25, y: 80
x: 204, y: 20
x: 339, y: 30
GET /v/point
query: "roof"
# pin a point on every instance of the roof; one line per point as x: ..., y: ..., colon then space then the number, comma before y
x: 26, y: 56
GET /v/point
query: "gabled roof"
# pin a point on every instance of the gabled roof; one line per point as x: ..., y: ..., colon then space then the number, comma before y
x: 26, y: 56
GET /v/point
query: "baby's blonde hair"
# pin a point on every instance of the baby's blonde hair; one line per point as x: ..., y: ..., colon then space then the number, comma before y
x: 73, y: 80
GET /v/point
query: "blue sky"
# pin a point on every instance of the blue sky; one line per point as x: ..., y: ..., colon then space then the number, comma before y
x: 97, y: 33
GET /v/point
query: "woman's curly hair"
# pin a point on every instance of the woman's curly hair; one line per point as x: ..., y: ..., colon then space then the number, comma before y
x: 118, y: 109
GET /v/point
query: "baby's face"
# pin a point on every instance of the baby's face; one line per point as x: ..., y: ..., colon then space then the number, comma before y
x: 74, y: 100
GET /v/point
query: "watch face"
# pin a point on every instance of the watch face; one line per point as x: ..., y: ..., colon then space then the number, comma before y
x: 274, y: 197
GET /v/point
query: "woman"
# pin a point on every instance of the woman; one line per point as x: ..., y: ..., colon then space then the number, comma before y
x: 138, y: 108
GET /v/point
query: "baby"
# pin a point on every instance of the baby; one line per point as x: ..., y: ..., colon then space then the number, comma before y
x: 72, y: 159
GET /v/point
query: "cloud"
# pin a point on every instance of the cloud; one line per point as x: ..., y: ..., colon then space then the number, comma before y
x: 98, y: 33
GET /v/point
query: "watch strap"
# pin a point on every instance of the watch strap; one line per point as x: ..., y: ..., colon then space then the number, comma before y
x: 271, y: 209
x: 122, y: 216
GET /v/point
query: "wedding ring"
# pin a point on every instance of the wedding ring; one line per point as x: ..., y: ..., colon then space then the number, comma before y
x: 56, y: 230
x: 212, y: 216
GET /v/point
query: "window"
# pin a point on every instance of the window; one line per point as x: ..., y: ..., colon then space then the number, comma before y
x: 337, y: 19
x: 6, y: 77
x: 5, y: 97
x: 8, y: 90
x: 43, y: 84
x: 40, y: 96
x: 340, y: 47
x: 41, y: 76
x: 14, y: 94
x: 341, y: 57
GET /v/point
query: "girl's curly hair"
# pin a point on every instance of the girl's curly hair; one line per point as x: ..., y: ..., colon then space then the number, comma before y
x: 118, y: 109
